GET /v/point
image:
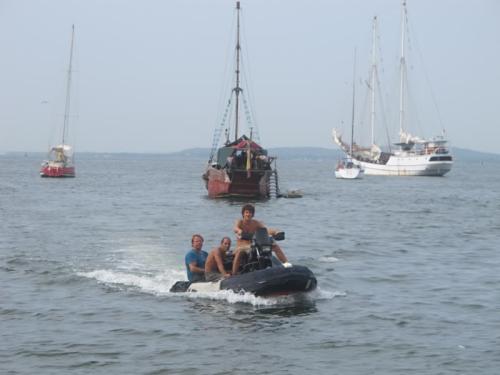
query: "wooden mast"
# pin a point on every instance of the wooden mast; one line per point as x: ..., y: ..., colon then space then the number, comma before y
x: 237, y: 89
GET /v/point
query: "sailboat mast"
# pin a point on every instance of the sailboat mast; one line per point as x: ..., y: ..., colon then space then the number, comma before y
x: 402, y: 68
x: 373, y: 79
x: 68, y: 88
x: 237, y: 89
x: 353, y: 101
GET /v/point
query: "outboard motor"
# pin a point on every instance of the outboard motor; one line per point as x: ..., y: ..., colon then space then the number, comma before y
x: 260, y: 256
x: 262, y: 245
x: 262, y: 239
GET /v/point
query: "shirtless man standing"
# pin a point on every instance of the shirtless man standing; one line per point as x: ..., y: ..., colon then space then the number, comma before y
x: 214, y: 266
x: 249, y: 225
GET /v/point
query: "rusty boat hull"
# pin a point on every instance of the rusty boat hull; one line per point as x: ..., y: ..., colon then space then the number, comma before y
x: 222, y: 183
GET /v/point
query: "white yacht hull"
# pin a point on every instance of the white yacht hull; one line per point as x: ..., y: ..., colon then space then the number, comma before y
x: 410, y: 165
x: 349, y: 173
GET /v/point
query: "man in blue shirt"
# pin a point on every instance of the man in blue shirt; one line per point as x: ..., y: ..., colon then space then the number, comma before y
x: 195, y: 260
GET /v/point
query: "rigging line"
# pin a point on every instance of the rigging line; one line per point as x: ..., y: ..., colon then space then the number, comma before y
x: 381, y: 72
x: 382, y: 111
x: 247, y: 76
x: 253, y: 130
x: 73, y: 132
x: 415, y: 112
x: 381, y: 65
x: 410, y: 94
x: 426, y: 75
x: 230, y: 115
x: 224, y: 111
x: 365, y: 111
x: 391, y: 94
x: 67, y: 106
x: 404, y: 94
x: 218, y: 130
x: 252, y: 110
x: 246, y: 84
x: 54, y: 116
x: 344, y: 105
x: 227, y: 77
x: 250, y: 106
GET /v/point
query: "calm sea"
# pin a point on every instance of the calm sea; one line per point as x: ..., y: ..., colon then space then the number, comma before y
x: 408, y: 272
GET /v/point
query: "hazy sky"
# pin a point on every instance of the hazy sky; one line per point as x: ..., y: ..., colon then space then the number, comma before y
x: 149, y: 73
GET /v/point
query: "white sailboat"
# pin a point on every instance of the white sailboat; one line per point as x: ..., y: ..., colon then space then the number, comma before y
x: 346, y: 168
x: 415, y: 156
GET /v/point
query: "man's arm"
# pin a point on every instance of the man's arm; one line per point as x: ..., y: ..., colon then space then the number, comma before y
x: 220, y: 263
x: 192, y: 261
x: 273, y: 231
x: 194, y: 268
x: 237, y: 228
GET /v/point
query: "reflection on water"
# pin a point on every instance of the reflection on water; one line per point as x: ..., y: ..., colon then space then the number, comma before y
x: 301, y: 305
x: 243, y: 317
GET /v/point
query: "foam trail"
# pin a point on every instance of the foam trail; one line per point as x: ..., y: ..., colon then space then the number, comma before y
x: 232, y: 297
x: 326, y: 294
x: 160, y: 284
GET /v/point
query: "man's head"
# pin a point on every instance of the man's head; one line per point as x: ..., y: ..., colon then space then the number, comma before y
x: 197, y: 241
x: 225, y: 243
x: 249, y: 208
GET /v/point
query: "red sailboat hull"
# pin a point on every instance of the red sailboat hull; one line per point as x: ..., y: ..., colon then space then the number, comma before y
x: 57, y: 171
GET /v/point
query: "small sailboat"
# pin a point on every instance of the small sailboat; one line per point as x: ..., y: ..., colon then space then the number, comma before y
x: 415, y: 156
x: 346, y: 168
x: 241, y: 167
x: 60, y: 160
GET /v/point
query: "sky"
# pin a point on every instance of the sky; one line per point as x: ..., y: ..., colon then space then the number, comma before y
x: 151, y: 75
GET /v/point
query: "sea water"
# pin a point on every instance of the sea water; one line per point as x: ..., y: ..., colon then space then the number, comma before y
x: 407, y: 269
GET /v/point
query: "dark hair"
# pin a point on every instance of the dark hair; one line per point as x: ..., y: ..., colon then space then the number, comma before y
x: 225, y: 238
x: 197, y: 235
x: 248, y: 207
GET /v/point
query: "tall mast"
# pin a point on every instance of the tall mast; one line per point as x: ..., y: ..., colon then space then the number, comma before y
x: 373, y: 79
x: 353, y: 100
x: 402, y: 68
x: 237, y: 89
x: 68, y: 88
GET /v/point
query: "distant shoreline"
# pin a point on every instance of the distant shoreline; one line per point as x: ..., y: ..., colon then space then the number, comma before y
x: 284, y: 153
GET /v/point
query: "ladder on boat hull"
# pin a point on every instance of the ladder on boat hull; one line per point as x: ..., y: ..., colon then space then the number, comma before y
x: 274, y: 189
